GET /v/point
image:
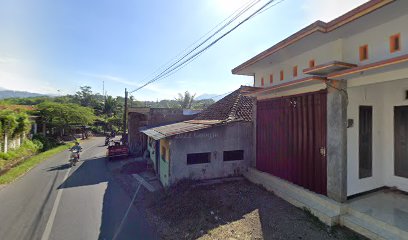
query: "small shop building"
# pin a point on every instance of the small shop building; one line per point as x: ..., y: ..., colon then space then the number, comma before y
x: 217, y: 143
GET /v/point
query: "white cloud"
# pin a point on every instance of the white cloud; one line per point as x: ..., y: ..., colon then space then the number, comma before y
x: 15, y: 74
x: 8, y: 60
x: 154, y: 87
x: 110, y: 78
x: 327, y: 10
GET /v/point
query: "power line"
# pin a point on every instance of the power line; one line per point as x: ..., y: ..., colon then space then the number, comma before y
x: 187, y: 48
x: 169, y: 71
x: 169, y: 68
x: 266, y: 9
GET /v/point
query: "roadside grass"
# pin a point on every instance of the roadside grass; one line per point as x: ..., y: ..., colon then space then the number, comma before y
x: 31, y: 162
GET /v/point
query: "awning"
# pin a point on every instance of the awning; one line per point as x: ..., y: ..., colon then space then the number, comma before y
x: 327, y: 68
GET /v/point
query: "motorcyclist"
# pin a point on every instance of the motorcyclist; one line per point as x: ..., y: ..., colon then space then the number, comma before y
x: 76, y: 148
x: 107, y: 138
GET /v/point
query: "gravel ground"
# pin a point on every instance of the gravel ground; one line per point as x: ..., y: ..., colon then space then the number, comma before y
x: 232, y: 210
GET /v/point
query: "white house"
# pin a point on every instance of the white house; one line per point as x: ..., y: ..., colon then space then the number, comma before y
x: 332, y: 118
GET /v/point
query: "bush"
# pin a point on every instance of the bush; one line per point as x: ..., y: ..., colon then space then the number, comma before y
x: 27, y: 148
x: 97, y: 129
x: 46, y: 142
x: 39, y: 144
x: 4, y: 156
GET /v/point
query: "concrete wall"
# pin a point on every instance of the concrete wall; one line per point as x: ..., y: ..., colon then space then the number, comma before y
x: 234, y: 136
x: 323, y: 54
x: 165, y: 162
x: 383, y: 97
x: 150, y: 117
x: 161, y: 116
x: 151, y: 148
x: 342, y: 45
x: 377, y: 39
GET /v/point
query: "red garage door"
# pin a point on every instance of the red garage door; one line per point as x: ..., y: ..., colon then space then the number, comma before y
x: 291, y: 139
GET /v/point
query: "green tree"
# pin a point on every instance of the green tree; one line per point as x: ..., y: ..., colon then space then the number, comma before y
x: 185, y: 101
x: 64, y: 116
x: 115, y: 123
x: 110, y: 106
x: 202, y: 104
x: 86, y: 98
x: 23, y: 124
x: 8, y: 121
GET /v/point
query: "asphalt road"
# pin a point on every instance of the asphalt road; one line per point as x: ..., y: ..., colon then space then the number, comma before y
x: 53, y: 201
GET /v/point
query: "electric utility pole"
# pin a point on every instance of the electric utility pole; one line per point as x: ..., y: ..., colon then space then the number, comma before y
x: 125, y: 115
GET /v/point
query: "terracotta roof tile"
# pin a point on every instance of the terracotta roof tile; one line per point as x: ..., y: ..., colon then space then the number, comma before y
x: 235, y: 106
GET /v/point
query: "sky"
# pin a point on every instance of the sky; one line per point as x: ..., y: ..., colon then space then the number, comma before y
x: 54, y: 47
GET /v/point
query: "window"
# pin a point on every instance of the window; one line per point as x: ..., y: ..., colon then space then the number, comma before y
x: 262, y: 82
x: 365, y: 141
x: 271, y: 78
x: 197, y: 158
x: 234, y: 155
x: 281, y: 75
x: 312, y: 63
x: 363, y: 52
x: 295, y: 71
x: 395, y: 43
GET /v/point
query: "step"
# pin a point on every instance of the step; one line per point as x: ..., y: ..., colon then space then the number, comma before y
x: 320, y: 206
x: 369, y: 228
x: 298, y: 190
x: 377, y: 222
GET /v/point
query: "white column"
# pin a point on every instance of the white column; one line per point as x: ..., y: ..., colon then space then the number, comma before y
x: 5, y: 142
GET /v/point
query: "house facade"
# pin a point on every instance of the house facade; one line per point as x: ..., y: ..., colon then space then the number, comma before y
x: 215, y: 144
x: 332, y: 114
x: 145, y: 117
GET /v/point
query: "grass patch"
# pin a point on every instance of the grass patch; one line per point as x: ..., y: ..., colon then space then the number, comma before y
x: 28, y: 164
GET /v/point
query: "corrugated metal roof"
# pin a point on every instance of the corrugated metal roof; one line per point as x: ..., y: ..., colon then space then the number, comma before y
x: 179, y: 128
x: 153, y: 134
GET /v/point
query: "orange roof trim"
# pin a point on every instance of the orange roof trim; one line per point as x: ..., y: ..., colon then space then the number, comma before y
x: 318, y: 26
x: 372, y: 66
x: 307, y: 79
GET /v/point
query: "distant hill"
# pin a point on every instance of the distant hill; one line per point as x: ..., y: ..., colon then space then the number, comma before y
x: 214, y: 97
x: 17, y: 94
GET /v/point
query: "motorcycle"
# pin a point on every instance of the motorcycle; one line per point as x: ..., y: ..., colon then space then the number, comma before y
x: 107, y: 139
x: 74, y: 157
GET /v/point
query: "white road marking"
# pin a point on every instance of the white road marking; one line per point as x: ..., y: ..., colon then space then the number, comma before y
x: 141, y: 180
x: 51, y: 218
x: 126, y: 214
x: 50, y: 222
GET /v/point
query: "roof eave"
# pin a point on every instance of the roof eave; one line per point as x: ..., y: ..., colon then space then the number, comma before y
x: 321, y: 26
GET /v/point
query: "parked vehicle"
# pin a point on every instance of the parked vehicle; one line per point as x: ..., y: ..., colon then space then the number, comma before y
x: 117, y: 149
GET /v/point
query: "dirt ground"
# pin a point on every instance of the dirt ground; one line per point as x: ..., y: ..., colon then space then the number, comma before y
x: 233, y: 210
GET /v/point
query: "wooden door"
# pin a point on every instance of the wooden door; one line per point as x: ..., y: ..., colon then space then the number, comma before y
x: 401, y: 141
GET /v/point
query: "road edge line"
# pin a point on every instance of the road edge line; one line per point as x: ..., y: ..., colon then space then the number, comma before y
x: 51, y: 218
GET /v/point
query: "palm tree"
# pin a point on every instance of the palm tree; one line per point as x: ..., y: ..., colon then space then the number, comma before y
x: 110, y: 106
x: 185, y: 101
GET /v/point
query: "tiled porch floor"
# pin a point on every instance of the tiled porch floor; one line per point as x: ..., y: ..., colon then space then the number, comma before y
x: 387, y: 206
